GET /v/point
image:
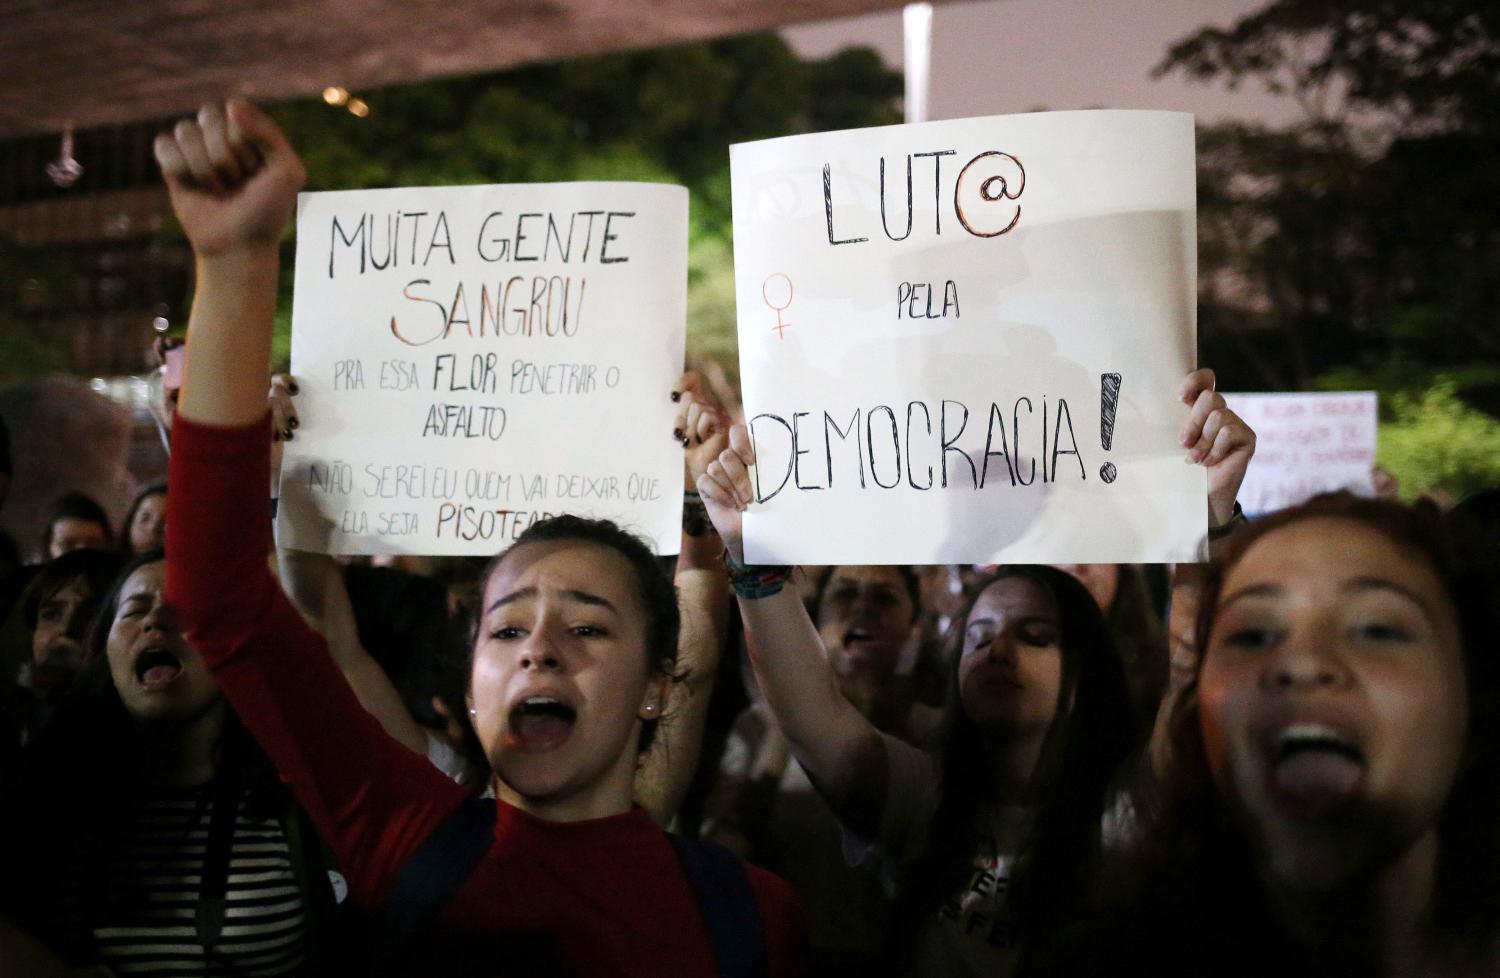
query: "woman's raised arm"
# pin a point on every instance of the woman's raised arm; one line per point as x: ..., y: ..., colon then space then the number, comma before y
x: 233, y: 179
x: 843, y: 753
x: 666, y: 772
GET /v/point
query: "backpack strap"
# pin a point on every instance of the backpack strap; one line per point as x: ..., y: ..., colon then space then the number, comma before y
x: 722, y: 888
x: 213, y: 889
x: 430, y: 876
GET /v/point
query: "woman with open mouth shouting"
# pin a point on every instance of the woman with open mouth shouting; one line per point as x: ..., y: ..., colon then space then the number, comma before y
x: 572, y: 650
x: 1334, y: 777
x: 153, y: 836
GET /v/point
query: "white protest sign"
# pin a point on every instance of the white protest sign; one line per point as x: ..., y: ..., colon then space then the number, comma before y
x: 472, y: 359
x: 963, y: 341
x: 1306, y: 444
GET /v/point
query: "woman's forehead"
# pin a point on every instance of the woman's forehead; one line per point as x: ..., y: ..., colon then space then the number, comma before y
x: 564, y: 565
x: 1014, y: 597
x: 868, y: 574
x: 76, y: 586
x: 147, y: 577
x: 1328, y: 550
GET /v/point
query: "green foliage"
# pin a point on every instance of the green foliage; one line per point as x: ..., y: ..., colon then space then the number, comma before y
x: 712, y: 331
x: 1398, y: 378
x: 281, y: 339
x: 677, y: 108
x: 1417, y: 64
x: 1363, y: 237
x: 1437, y: 442
x: 1437, y: 428
x: 26, y: 353
x: 667, y: 115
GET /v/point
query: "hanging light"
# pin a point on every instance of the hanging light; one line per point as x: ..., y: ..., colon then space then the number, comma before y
x: 359, y: 107
x: 65, y: 170
x: 335, y: 95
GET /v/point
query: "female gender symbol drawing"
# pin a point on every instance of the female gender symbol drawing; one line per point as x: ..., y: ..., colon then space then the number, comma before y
x: 766, y: 295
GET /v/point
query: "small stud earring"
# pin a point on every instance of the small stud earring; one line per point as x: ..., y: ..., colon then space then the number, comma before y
x: 473, y: 712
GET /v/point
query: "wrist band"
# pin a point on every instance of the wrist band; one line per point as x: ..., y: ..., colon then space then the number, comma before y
x: 695, y: 521
x: 756, y: 582
x: 1236, y: 520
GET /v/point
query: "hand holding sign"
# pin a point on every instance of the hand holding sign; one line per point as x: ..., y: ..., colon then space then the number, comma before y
x: 700, y: 425
x: 284, y: 422
x: 1219, y: 440
x: 1385, y: 483
x: 727, y: 491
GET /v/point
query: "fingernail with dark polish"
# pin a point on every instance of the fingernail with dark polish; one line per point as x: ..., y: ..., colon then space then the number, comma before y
x: 677, y: 434
x: 293, y: 423
x: 677, y: 395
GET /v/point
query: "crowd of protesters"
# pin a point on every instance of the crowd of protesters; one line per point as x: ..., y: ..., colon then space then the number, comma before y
x: 576, y: 758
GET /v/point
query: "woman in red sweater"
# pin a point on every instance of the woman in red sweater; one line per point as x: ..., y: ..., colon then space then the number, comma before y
x: 571, y: 661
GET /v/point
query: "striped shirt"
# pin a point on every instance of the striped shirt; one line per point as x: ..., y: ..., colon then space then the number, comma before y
x: 140, y: 910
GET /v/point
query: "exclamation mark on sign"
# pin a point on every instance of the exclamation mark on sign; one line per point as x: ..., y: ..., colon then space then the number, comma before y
x: 1109, y: 402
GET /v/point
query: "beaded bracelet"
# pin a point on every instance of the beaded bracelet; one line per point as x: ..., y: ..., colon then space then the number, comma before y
x: 756, y: 582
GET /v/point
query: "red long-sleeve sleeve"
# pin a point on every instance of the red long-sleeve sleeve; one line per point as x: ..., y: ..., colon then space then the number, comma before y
x: 371, y: 798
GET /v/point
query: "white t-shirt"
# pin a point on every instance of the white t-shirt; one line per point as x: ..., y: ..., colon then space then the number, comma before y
x: 974, y: 933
